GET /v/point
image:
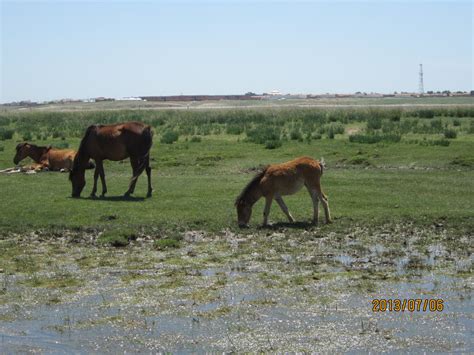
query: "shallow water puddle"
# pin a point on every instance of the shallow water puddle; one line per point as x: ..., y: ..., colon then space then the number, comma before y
x: 290, y: 294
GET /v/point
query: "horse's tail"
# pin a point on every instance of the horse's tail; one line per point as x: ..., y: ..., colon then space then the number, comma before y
x: 147, y: 135
x: 147, y: 138
x: 322, y: 164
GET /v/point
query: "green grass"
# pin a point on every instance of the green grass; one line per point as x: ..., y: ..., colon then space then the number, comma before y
x: 116, y: 237
x: 195, y: 184
x: 166, y: 243
x: 195, y: 195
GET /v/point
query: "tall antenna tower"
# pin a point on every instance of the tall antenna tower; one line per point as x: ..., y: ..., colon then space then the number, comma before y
x: 421, y: 89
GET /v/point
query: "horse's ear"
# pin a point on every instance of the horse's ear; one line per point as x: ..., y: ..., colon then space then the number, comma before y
x: 49, y: 147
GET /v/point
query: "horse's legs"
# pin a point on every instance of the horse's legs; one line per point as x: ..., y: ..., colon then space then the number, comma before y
x: 325, y: 203
x: 148, y: 174
x: 314, y: 198
x: 316, y: 187
x: 137, y: 167
x: 266, y: 211
x: 96, y: 175
x: 133, y: 181
x: 283, y: 207
x: 100, y: 166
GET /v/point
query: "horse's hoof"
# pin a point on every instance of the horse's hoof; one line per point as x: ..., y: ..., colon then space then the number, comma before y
x: 148, y: 194
x: 93, y: 196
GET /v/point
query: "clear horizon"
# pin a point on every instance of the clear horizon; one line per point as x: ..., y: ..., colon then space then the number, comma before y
x: 61, y: 49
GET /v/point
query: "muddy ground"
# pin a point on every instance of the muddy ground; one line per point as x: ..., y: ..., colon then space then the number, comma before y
x: 279, y: 289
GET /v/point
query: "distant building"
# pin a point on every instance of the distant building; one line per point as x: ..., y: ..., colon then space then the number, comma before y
x: 129, y: 99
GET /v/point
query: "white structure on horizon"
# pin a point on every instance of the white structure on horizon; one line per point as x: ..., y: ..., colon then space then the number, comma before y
x: 129, y: 99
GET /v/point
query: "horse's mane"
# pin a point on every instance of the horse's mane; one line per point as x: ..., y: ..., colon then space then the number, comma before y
x: 76, y: 165
x: 251, y: 185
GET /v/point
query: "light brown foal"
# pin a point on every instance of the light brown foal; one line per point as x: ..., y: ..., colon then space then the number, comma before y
x: 46, y: 157
x: 278, y: 180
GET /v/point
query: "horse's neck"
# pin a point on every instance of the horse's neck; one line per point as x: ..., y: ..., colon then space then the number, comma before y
x: 36, y: 153
x: 254, y: 195
x: 83, y: 159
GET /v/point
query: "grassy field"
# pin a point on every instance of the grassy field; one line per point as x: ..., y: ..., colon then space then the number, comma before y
x: 399, y: 182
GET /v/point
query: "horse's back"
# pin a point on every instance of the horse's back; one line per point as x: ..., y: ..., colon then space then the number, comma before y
x: 298, y: 166
x: 289, y: 177
x: 60, y: 158
x: 122, y: 140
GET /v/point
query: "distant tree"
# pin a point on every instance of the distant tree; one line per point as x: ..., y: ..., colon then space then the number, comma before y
x: 250, y: 93
x: 472, y: 92
x: 429, y: 92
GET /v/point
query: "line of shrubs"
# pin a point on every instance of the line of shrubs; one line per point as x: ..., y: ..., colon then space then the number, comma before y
x: 372, y: 138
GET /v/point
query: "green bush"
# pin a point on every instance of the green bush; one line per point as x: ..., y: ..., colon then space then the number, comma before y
x: 441, y: 142
x: 116, y: 237
x: 262, y: 134
x: 195, y: 139
x: 390, y: 126
x: 166, y: 243
x: 425, y: 113
x: 27, y: 136
x: 471, y: 127
x: 374, y: 123
x: 450, y: 133
x: 58, y: 134
x: 331, y: 133
x: 169, y: 137
x: 2, y: 148
x: 6, y: 133
x: 273, y: 144
x: 234, y: 129
x: 436, y: 125
x: 430, y: 142
x: 374, y: 138
x: 295, y: 135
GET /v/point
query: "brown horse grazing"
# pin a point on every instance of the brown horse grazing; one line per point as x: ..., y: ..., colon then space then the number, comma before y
x: 283, y: 179
x: 113, y: 142
x: 46, y: 157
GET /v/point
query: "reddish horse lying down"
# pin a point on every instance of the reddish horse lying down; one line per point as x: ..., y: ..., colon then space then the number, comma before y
x: 113, y: 142
x: 283, y: 179
x: 46, y: 157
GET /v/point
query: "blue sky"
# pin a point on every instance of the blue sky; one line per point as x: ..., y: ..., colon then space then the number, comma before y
x: 65, y: 49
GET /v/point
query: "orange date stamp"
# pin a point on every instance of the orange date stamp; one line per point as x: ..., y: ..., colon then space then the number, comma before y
x: 407, y: 305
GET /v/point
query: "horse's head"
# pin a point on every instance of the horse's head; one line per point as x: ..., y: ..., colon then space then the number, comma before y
x: 78, y: 180
x: 244, y: 212
x: 22, y: 151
